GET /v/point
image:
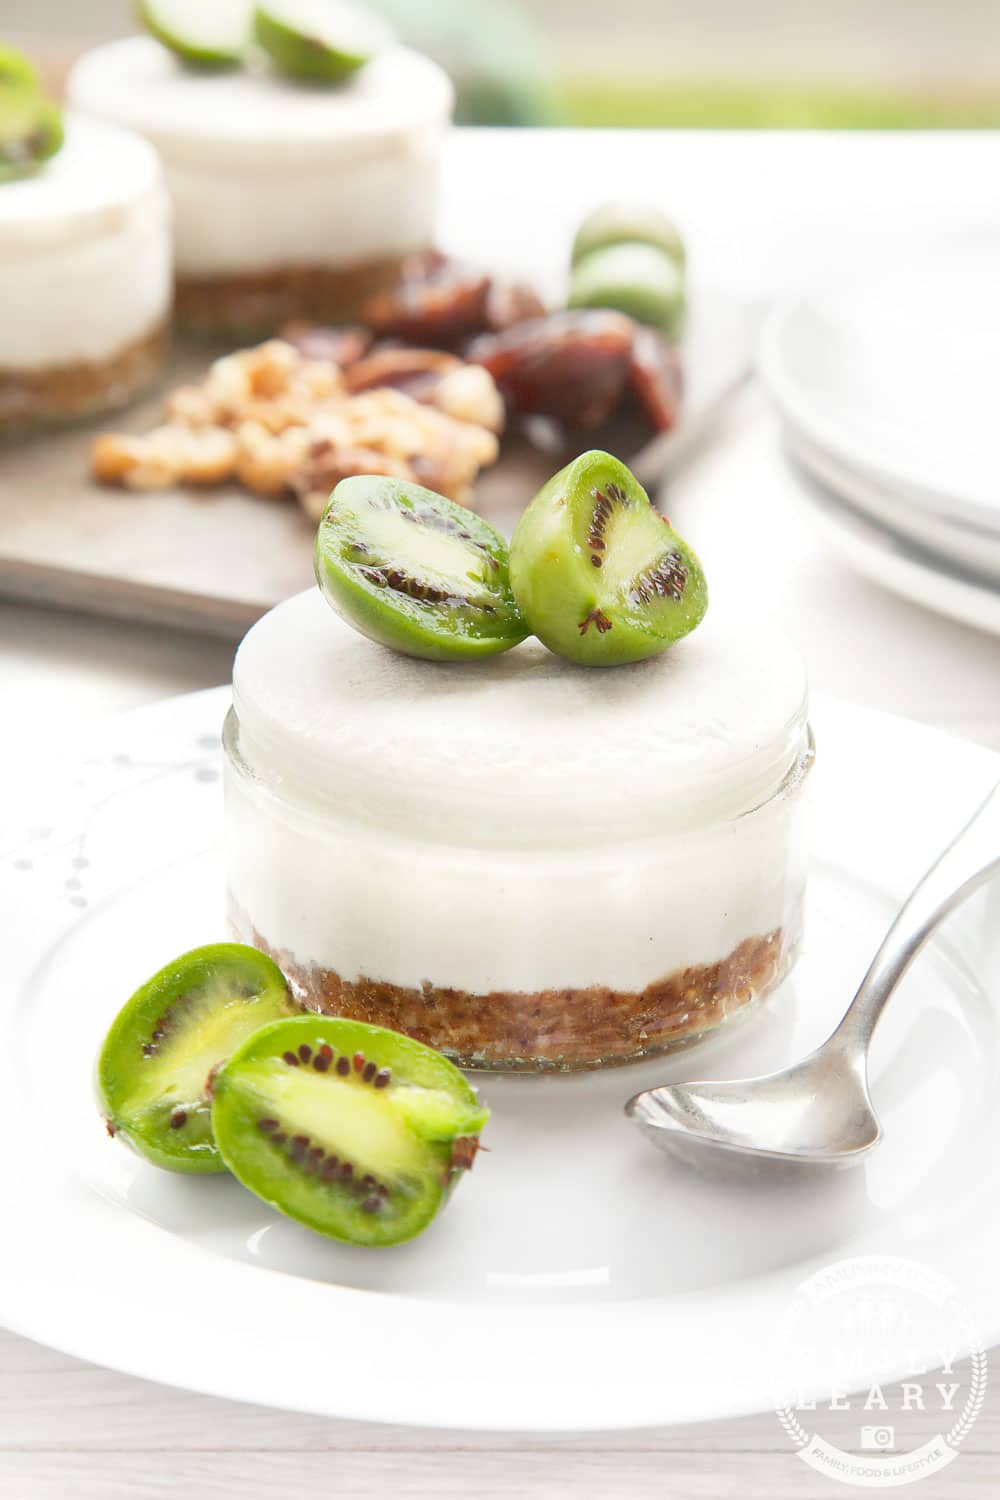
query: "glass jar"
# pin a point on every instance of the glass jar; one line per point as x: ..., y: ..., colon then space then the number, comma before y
x: 85, y: 252
x: 542, y: 912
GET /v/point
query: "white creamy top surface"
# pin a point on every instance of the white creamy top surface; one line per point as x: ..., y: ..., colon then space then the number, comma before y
x: 253, y: 117
x: 95, y: 185
x: 524, y: 743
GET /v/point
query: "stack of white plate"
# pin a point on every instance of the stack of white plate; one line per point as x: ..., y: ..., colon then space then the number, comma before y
x: 889, y: 390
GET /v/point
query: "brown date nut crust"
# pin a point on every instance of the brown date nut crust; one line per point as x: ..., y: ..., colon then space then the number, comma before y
x: 253, y: 303
x: 66, y: 393
x: 545, y: 1029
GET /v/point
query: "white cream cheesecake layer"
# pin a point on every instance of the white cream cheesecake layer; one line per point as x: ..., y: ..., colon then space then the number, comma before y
x: 518, y: 823
x: 84, y: 251
x: 266, y: 173
x: 394, y: 910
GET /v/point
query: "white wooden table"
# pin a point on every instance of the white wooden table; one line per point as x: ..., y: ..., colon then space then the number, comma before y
x: 759, y: 211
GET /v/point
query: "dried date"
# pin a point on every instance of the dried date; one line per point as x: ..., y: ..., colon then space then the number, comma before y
x: 408, y: 369
x: 436, y: 301
x: 509, y: 302
x: 571, y: 366
x: 342, y: 346
x: 656, y: 378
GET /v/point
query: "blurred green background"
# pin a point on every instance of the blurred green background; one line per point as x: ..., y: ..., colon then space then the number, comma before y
x: 864, y: 64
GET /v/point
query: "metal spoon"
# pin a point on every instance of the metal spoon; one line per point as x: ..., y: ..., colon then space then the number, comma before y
x: 819, y: 1110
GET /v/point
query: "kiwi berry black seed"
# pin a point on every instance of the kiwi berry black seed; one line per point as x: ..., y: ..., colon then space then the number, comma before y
x: 159, y: 1061
x: 414, y: 571
x: 364, y: 1143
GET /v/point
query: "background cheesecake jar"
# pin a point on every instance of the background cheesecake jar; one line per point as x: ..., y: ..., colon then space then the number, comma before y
x: 522, y: 862
x: 86, y: 277
x: 291, y: 200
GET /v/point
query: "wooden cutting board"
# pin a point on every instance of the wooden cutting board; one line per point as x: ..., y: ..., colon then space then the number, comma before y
x: 215, y: 561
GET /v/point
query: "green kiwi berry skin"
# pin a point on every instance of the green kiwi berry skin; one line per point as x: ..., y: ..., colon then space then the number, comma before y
x: 139, y: 1093
x: 298, y: 55
x: 394, y: 620
x: 632, y: 278
x: 271, y: 1095
x: 620, y: 222
x: 210, y: 59
x: 572, y: 605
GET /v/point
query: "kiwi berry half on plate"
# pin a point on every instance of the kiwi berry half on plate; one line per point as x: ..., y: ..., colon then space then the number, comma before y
x: 415, y: 571
x: 322, y: 40
x: 155, y: 1068
x: 356, y: 1131
x: 599, y: 575
x: 205, y: 33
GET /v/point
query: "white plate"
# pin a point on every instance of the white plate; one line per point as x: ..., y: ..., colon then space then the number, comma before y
x: 972, y: 549
x: 895, y: 373
x: 908, y: 570
x: 579, y: 1279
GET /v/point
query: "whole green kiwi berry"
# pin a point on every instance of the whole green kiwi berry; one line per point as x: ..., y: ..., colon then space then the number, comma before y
x: 622, y: 221
x: 632, y: 278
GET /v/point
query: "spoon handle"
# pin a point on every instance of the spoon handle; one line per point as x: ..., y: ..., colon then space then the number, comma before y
x: 969, y: 860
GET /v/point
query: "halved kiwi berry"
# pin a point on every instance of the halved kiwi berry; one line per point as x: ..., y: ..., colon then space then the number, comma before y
x: 155, y: 1067
x: 632, y: 278
x: 322, y: 40
x: 31, y: 129
x: 599, y: 575
x: 206, y: 33
x: 355, y: 1131
x: 622, y: 222
x: 416, y: 572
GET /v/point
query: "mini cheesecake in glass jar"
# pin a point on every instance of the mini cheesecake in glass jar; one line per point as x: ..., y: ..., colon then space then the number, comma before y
x: 86, y: 273
x: 290, y: 199
x: 525, y: 863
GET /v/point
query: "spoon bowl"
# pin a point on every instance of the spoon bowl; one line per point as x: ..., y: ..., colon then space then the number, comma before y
x: 819, y: 1111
